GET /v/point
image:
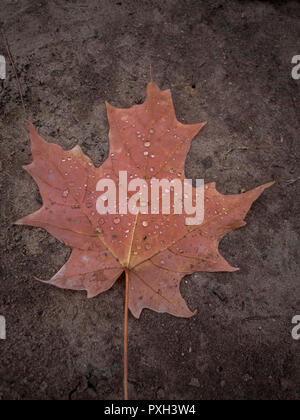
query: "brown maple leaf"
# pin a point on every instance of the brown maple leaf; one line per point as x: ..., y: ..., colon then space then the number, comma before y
x: 156, y: 250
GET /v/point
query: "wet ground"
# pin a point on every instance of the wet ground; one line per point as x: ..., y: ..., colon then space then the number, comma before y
x: 227, y: 62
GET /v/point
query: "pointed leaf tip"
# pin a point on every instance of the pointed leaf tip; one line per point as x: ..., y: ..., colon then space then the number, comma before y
x: 30, y: 125
x: 18, y: 222
x: 270, y: 184
x: 40, y: 280
x: 151, y: 74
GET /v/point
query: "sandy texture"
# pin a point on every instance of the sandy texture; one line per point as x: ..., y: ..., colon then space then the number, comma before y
x: 227, y: 62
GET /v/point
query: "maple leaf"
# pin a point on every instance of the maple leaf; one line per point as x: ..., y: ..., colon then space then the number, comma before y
x: 155, y: 250
x: 158, y: 250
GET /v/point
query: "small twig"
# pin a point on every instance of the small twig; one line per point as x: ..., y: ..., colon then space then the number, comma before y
x: 260, y: 318
x: 292, y: 181
x: 14, y: 68
x: 226, y: 154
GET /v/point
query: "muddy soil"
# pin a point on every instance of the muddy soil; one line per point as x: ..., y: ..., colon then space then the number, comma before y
x: 228, y: 63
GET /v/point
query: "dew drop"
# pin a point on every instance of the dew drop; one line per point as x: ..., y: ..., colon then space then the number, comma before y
x: 145, y: 224
x: 117, y: 220
x: 65, y: 194
x: 146, y: 153
x: 147, y: 144
x: 151, y: 131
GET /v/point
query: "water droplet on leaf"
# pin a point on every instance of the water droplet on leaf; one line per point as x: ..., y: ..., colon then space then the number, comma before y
x: 65, y: 194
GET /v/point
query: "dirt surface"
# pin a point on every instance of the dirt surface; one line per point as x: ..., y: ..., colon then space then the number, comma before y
x: 227, y: 62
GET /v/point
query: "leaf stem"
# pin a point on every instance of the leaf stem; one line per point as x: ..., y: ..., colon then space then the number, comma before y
x: 125, y: 359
